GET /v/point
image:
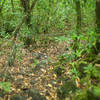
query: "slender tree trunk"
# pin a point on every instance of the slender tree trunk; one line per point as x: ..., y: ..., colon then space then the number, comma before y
x: 98, y: 25
x: 12, y: 55
x: 26, y: 5
x: 78, y: 24
x: 12, y: 3
x: 98, y: 15
x: 78, y: 11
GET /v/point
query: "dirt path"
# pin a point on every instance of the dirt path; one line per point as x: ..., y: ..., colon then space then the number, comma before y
x: 33, y: 69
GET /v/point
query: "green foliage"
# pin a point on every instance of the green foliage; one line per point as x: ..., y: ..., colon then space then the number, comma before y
x: 47, y: 14
x: 35, y: 62
x: 75, y: 74
x: 81, y: 95
x: 61, y: 38
x: 91, y: 93
x: 66, y: 89
x: 96, y: 91
x: 5, y: 86
x: 88, y: 69
x: 58, y: 16
x: 9, y: 20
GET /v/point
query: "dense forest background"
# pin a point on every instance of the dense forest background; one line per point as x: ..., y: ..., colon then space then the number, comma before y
x: 49, y: 50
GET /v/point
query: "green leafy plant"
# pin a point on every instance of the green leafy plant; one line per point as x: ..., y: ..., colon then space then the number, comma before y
x: 88, y: 69
x: 74, y: 72
x: 91, y: 71
x: 96, y: 91
x: 35, y: 62
x: 5, y: 86
x: 61, y: 38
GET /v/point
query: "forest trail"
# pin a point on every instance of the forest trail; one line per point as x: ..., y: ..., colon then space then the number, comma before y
x: 34, y: 69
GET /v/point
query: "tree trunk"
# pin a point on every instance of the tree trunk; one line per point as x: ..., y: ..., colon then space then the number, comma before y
x: 12, y: 55
x: 78, y: 11
x: 12, y: 3
x: 98, y: 15
x: 98, y: 25
x: 78, y: 24
x: 26, y: 5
